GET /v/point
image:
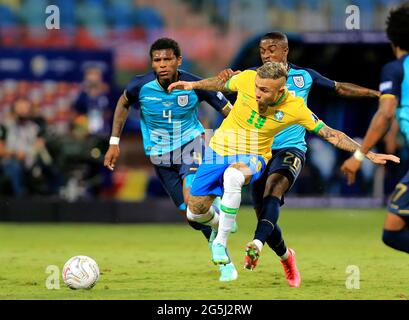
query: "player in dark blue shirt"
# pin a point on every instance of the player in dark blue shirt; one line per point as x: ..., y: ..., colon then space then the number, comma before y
x: 171, y: 130
x: 393, y: 104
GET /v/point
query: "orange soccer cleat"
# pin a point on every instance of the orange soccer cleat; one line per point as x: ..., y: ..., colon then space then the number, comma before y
x: 291, y: 271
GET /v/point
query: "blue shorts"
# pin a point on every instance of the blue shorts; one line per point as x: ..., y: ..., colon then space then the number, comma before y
x: 399, y: 200
x: 288, y: 162
x: 182, y: 165
x: 209, y: 176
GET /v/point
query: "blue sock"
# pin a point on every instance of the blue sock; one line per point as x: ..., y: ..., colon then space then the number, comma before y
x: 206, y: 230
x: 276, y: 242
x: 398, y: 240
x: 270, y: 211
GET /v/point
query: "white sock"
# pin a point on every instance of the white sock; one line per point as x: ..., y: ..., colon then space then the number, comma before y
x: 210, y: 218
x: 285, y: 255
x: 226, y: 224
x: 217, y: 202
x: 233, y: 181
x: 259, y: 244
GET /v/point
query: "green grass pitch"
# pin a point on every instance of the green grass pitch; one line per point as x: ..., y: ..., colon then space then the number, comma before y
x: 172, y: 261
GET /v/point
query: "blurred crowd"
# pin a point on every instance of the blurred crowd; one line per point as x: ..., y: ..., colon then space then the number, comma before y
x: 53, y: 134
x: 53, y: 137
x: 293, y: 15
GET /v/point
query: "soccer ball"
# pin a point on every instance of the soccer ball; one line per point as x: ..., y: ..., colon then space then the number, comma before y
x: 80, y: 272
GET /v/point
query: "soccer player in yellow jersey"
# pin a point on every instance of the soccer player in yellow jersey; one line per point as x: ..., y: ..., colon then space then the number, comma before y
x: 241, y: 147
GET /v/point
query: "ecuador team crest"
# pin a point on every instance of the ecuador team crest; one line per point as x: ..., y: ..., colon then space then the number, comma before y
x: 183, y: 100
x: 299, y: 81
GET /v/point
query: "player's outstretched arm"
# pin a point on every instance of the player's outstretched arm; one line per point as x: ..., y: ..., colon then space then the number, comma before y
x: 351, y: 90
x: 120, y: 116
x: 378, y: 127
x: 226, y: 74
x: 343, y: 142
x: 212, y: 84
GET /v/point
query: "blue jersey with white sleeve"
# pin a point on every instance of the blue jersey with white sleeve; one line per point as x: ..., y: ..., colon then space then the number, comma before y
x: 395, y: 81
x: 169, y: 120
x: 299, y: 83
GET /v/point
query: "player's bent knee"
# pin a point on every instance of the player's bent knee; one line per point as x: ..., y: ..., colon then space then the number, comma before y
x: 233, y: 180
x: 394, y: 222
x: 199, y: 204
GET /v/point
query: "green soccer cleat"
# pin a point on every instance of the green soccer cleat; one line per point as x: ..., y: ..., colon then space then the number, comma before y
x: 212, y: 237
x: 228, y: 272
x: 252, y: 255
x: 219, y: 254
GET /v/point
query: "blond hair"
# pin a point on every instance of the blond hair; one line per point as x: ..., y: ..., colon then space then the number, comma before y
x: 272, y: 70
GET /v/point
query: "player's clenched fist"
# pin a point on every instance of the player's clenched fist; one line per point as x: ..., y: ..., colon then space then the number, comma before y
x: 226, y: 74
x: 111, y: 157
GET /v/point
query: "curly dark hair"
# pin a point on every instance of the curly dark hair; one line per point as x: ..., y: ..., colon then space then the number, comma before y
x: 165, y: 43
x: 397, y: 26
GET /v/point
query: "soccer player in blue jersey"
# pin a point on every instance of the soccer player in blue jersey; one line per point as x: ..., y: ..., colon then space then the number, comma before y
x: 393, y: 104
x: 288, y: 159
x: 171, y: 131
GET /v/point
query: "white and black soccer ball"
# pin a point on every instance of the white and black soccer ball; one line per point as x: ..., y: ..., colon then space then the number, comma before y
x: 80, y: 272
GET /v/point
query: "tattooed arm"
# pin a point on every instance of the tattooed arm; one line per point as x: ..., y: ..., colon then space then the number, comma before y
x: 213, y: 84
x: 338, y: 139
x: 346, y: 89
x: 120, y: 116
x: 341, y: 141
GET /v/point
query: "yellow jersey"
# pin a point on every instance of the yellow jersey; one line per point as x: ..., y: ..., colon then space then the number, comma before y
x: 246, y: 131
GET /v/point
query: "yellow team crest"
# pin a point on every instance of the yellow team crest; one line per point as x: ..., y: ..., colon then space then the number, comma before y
x: 259, y: 166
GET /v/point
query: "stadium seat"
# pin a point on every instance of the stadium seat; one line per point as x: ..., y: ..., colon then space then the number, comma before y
x: 312, y: 5
x: 119, y: 15
x: 337, y: 14
x: 367, y: 12
x: 148, y: 17
x: 286, y: 4
x: 91, y: 14
x: 7, y: 17
x: 67, y: 13
x: 32, y: 12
